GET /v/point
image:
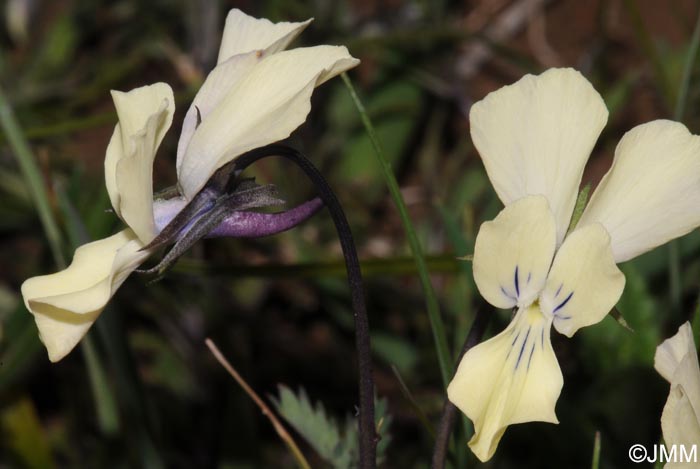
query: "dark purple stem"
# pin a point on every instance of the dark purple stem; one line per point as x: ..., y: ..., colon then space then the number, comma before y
x: 256, y: 225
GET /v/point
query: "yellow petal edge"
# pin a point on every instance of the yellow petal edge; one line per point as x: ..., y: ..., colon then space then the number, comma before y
x: 512, y: 378
x: 67, y: 303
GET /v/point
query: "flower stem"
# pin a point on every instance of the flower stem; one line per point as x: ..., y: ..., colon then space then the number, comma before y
x: 674, y: 254
x: 431, y: 302
x: 368, y: 439
x: 449, y: 411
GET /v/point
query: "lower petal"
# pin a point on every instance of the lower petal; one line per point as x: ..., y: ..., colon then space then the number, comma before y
x: 511, y: 378
x: 65, y: 304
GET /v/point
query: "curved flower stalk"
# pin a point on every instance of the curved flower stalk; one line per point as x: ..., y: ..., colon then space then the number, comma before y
x: 257, y: 94
x: 677, y: 361
x: 534, y: 138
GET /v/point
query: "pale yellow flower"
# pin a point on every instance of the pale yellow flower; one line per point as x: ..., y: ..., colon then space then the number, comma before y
x: 677, y: 361
x: 257, y: 94
x: 534, y: 138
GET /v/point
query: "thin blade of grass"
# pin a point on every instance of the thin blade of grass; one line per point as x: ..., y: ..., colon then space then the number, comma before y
x: 674, y: 256
x: 414, y: 404
x: 596, y: 451
x: 432, y: 305
x: 32, y: 175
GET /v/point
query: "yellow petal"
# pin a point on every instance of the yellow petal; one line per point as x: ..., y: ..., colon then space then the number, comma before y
x: 513, y: 253
x: 672, y: 351
x: 584, y: 283
x: 245, y: 42
x: 243, y: 33
x: 511, y: 378
x: 677, y: 361
x: 536, y: 135
x: 65, y: 304
x: 214, y: 89
x: 680, y: 426
x: 145, y: 115
x: 263, y: 107
x: 651, y: 194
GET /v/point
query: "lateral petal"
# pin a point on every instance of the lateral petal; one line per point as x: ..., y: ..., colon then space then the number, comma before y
x: 512, y: 253
x: 536, y: 135
x: 145, y: 115
x: 584, y: 282
x: 65, y: 304
x: 265, y: 106
x: 243, y: 34
x: 512, y: 378
x: 651, y: 194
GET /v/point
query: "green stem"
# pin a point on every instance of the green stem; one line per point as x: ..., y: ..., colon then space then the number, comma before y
x: 32, y: 175
x: 674, y: 258
x: 431, y: 301
x: 687, y: 72
x: 395, y: 266
x: 596, y: 451
x: 647, y: 45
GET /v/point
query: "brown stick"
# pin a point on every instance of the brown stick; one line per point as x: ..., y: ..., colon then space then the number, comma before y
x: 267, y: 412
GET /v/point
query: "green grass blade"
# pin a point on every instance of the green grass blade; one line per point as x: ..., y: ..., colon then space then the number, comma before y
x: 432, y: 306
x: 674, y: 257
x: 679, y: 111
x: 31, y: 173
x: 596, y: 451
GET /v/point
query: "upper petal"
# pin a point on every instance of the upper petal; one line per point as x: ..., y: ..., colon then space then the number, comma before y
x: 511, y: 378
x: 651, y: 194
x: 535, y: 136
x: 145, y: 115
x: 512, y: 253
x: 584, y: 283
x: 216, y: 86
x: 246, y: 40
x: 263, y: 107
x: 243, y: 33
x: 65, y: 304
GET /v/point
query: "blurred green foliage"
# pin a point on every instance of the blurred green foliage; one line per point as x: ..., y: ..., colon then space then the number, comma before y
x: 144, y: 392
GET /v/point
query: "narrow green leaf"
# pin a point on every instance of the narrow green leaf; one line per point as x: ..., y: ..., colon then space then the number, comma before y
x: 674, y: 257
x: 580, y: 206
x: 32, y: 175
x: 432, y: 305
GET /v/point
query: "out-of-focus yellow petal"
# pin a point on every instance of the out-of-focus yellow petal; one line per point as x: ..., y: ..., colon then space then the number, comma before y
x: 513, y: 253
x: 680, y: 427
x: 676, y: 360
x: 584, y: 282
x: 145, y: 115
x: 511, y: 378
x: 651, y: 194
x: 536, y: 135
x: 65, y: 304
x: 243, y: 34
x: 263, y: 107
